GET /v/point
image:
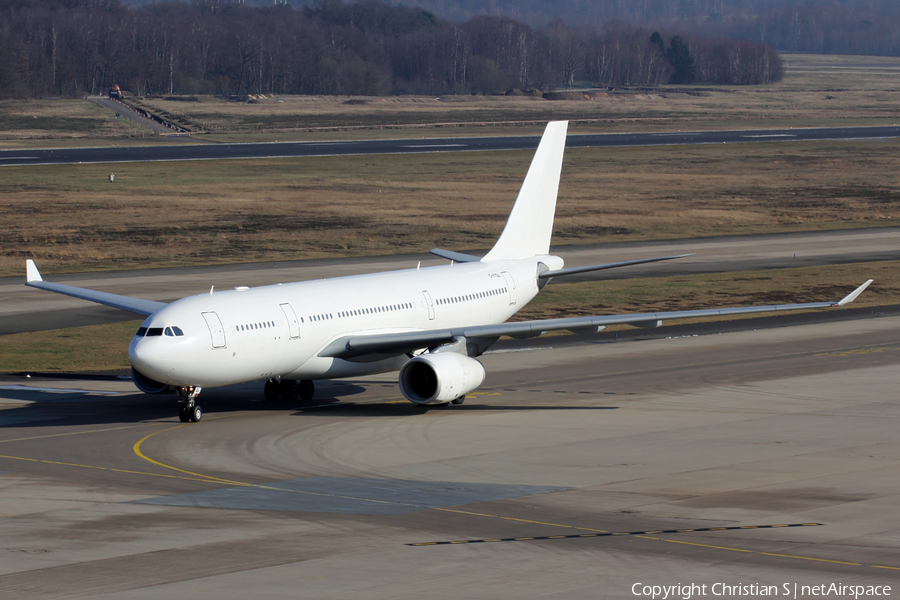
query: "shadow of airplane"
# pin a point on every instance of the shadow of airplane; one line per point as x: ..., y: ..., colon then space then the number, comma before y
x: 47, y: 404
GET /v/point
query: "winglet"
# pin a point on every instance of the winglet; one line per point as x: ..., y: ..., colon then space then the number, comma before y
x: 854, y: 294
x: 31, y: 272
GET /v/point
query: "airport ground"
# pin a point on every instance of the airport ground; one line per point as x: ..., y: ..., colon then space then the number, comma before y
x: 665, y: 436
x: 105, y: 495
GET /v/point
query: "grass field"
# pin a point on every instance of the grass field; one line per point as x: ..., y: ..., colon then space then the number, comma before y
x: 25, y: 122
x: 71, y: 218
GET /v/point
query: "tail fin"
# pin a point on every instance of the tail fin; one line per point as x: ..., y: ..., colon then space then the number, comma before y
x: 528, y: 229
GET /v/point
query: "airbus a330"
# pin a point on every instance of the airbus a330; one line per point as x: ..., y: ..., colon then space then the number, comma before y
x: 429, y: 323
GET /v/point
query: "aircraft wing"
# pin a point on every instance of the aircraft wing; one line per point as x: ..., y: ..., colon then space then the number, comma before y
x: 383, y: 344
x: 135, y: 305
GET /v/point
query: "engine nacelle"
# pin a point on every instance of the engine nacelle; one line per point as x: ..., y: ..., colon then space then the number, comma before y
x: 440, y: 378
x: 147, y: 385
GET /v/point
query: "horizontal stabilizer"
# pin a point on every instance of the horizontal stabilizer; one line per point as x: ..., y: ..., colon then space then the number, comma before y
x: 603, y: 267
x: 454, y: 256
x: 135, y: 305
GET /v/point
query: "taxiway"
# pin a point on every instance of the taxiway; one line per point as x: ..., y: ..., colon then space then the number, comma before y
x: 210, y: 151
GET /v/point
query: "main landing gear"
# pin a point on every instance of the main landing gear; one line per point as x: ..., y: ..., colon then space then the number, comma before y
x: 189, y: 411
x: 289, y: 390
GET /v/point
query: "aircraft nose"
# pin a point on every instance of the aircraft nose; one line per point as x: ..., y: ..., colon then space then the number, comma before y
x: 150, y: 358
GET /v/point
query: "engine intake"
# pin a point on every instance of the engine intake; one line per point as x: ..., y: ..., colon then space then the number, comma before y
x: 440, y: 378
x: 147, y: 385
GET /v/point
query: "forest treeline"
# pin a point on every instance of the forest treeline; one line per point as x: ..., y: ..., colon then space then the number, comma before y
x: 72, y: 47
x: 810, y: 26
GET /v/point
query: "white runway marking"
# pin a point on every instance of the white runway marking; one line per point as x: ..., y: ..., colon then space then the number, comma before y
x: 507, y: 351
x: 28, y: 388
x: 436, y: 146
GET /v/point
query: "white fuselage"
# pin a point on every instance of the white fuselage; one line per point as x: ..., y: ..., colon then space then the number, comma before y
x: 276, y: 331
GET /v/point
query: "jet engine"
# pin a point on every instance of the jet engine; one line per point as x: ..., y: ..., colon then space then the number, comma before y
x: 147, y: 385
x: 440, y: 378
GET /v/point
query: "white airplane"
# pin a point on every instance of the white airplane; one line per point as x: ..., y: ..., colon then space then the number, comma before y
x: 430, y: 323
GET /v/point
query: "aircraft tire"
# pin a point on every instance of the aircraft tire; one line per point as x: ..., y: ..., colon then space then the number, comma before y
x: 183, y: 414
x: 459, y: 400
x: 196, y: 413
x: 272, y: 390
x: 290, y: 390
x: 307, y: 389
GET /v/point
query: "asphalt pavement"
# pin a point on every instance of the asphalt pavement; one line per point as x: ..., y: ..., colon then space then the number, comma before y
x: 210, y: 151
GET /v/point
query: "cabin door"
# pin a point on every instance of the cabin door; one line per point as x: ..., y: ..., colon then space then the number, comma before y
x: 430, y: 304
x: 216, y: 331
x: 511, y: 286
x: 292, y: 321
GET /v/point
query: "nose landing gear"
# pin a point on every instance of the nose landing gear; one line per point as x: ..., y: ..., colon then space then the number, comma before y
x: 189, y: 411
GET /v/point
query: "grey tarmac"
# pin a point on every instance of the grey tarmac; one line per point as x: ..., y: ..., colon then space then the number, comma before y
x: 104, y: 494
x: 217, y: 151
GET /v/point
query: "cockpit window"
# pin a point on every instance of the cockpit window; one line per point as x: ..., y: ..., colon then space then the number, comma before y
x: 168, y: 332
x: 154, y: 331
x: 141, y: 332
x: 177, y: 330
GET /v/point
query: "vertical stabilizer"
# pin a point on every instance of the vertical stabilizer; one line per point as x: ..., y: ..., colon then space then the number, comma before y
x: 528, y: 229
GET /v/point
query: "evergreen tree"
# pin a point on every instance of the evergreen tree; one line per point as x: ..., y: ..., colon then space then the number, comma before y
x: 679, y: 56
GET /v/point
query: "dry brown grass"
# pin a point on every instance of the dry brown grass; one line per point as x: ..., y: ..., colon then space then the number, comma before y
x: 77, y: 349
x: 72, y: 218
x: 22, y: 122
x: 714, y: 290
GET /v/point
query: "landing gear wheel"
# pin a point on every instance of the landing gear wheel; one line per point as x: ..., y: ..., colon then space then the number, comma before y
x: 189, y: 411
x: 307, y: 389
x: 290, y: 390
x: 459, y: 400
x: 272, y: 390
